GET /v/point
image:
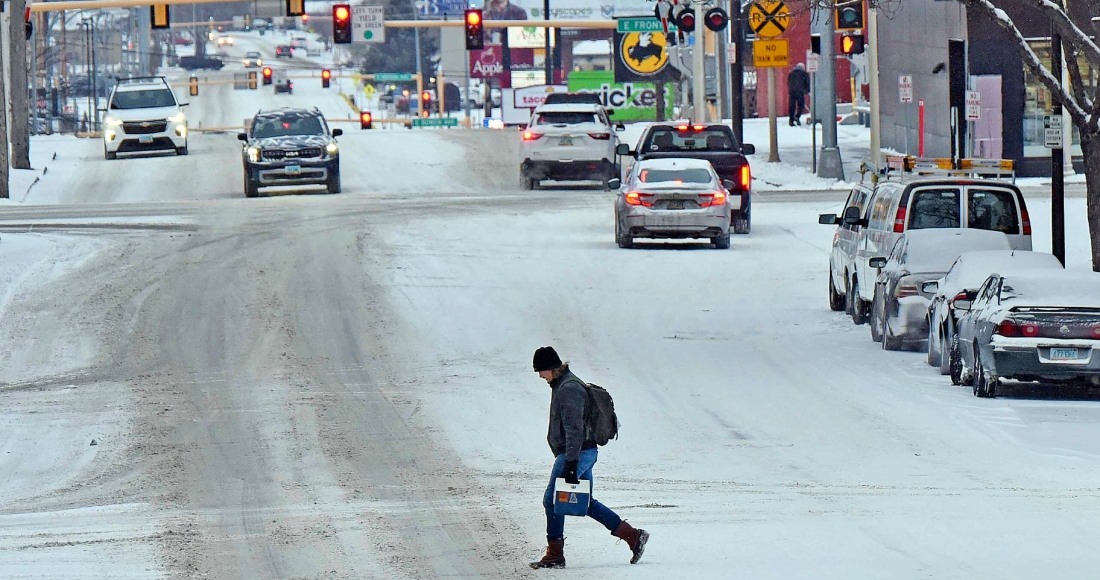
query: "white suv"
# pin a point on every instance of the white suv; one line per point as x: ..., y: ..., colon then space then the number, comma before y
x: 143, y: 115
x: 568, y: 142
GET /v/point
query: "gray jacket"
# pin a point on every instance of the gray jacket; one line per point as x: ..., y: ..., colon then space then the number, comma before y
x: 567, y: 433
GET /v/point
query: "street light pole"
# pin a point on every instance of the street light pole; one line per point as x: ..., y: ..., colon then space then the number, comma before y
x: 873, y: 81
x: 698, y: 71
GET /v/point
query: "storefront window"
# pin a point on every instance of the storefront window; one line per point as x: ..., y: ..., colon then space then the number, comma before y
x: 1039, y: 104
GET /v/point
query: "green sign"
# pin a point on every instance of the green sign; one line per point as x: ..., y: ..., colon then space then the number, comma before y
x: 393, y: 77
x: 645, y: 24
x: 436, y: 122
x: 630, y: 101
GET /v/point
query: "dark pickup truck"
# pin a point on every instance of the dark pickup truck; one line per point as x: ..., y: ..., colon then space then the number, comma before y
x: 713, y: 142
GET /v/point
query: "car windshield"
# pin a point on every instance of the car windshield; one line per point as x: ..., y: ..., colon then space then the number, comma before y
x: 143, y: 99
x: 934, y: 208
x: 286, y: 126
x: 992, y: 209
x: 713, y: 139
x: 253, y: 55
x: 565, y: 118
x: 692, y: 175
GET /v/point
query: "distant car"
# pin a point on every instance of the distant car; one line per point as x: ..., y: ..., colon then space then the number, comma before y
x: 1040, y: 326
x: 253, y: 59
x: 200, y: 62
x: 225, y: 40
x: 182, y: 41
x: 299, y: 42
x: 673, y: 198
x: 284, y: 51
x: 957, y: 289
x: 284, y: 85
x: 568, y: 142
x: 899, y: 309
x: 290, y: 147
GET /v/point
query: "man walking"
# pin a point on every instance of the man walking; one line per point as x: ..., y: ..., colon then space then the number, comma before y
x: 574, y: 455
x: 798, y: 85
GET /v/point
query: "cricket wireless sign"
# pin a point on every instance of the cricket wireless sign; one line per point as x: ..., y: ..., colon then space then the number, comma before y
x: 642, y: 56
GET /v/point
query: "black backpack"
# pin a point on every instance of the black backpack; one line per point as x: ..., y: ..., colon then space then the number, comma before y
x: 599, y: 417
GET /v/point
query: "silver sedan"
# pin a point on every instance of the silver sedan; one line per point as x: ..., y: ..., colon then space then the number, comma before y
x: 673, y: 198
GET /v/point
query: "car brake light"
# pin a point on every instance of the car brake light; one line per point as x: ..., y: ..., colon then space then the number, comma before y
x: 1029, y: 330
x: 1096, y: 332
x: 635, y: 198
x: 682, y: 127
x: 960, y: 296
x: 531, y: 135
x: 1026, y: 219
x: 899, y: 221
x: 746, y: 177
x: 698, y: 127
x: 1007, y: 328
x: 713, y: 199
x: 905, y: 290
x: 600, y: 136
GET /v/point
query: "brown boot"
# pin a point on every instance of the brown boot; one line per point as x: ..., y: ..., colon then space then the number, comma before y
x: 635, y: 539
x: 555, y: 555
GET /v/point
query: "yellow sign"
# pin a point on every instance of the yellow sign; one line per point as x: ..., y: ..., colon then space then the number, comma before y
x: 644, y: 53
x: 769, y: 18
x: 368, y: 90
x: 769, y: 53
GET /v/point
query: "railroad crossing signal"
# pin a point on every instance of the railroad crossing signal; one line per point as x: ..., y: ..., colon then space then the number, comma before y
x: 686, y: 20
x: 768, y: 18
x: 716, y: 19
x: 158, y: 16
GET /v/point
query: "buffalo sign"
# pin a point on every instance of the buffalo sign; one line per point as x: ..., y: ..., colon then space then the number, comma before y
x: 642, y: 56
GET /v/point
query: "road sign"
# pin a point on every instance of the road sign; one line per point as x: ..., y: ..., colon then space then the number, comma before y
x: 769, y: 53
x: 393, y: 77
x: 644, y: 24
x: 973, y: 105
x: 368, y: 24
x: 768, y: 18
x: 731, y: 53
x: 1053, y: 130
x: 436, y: 122
x: 905, y: 88
x: 813, y: 61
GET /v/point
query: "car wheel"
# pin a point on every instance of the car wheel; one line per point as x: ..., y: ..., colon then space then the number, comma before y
x: 836, y: 300
x: 181, y: 150
x: 889, y: 341
x: 935, y: 353
x: 847, y: 295
x: 622, y: 238
x: 876, y: 319
x: 955, y: 362
x: 721, y: 242
x: 858, y: 306
x: 742, y: 224
x: 109, y: 155
x: 983, y: 386
x: 333, y: 184
x: 945, y: 357
x: 250, y: 187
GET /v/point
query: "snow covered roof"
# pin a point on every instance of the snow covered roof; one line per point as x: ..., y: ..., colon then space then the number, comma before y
x: 592, y: 48
x: 680, y: 163
x: 1051, y: 288
x: 973, y: 268
x: 568, y: 108
x: 934, y: 250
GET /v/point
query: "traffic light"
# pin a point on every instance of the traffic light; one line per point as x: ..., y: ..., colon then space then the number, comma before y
x: 267, y: 75
x: 815, y: 43
x: 295, y: 7
x: 686, y: 20
x: 341, y: 24
x: 305, y: 19
x: 365, y: 119
x: 158, y: 16
x: 475, y: 30
x: 326, y: 76
x: 851, y: 44
x: 193, y: 86
x: 716, y: 19
x: 849, y: 15
x: 425, y: 103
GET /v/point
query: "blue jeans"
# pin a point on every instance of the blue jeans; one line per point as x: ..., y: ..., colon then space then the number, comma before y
x: 555, y: 524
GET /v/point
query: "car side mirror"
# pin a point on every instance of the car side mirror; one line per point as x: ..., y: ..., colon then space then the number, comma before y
x: 610, y: 112
x: 876, y: 262
x: 614, y: 183
x: 620, y: 127
x: 184, y: 104
x: 622, y: 149
x: 748, y: 149
x: 961, y: 304
x: 851, y: 217
x: 828, y: 219
x: 242, y: 136
x: 728, y: 184
x: 930, y: 287
x: 337, y: 132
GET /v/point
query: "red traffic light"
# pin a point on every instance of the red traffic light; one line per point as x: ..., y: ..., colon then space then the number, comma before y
x: 365, y: 119
x: 267, y: 71
x: 340, y: 13
x: 341, y: 24
x: 425, y: 96
x: 475, y: 30
x: 473, y: 17
x: 326, y: 74
x: 305, y: 18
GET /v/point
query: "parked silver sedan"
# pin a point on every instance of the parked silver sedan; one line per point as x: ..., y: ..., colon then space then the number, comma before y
x: 1039, y: 326
x: 673, y: 198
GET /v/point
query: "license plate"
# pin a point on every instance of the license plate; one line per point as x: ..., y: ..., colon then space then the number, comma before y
x: 566, y: 142
x: 675, y: 204
x: 1063, y: 354
x: 145, y: 139
x: 294, y: 169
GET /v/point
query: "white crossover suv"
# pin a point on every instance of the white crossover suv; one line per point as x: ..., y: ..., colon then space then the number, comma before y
x: 568, y: 142
x: 143, y: 115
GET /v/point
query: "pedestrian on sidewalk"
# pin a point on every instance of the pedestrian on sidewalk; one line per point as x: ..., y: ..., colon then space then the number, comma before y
x: 575, y: 453
x: 798, y: 85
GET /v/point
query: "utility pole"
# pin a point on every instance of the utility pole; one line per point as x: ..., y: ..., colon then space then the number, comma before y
x: 873, y: 81
x: 829, y: 163
x: 549, y: 64
x: 698, y: 69
x: 737, y: 75
x: 20, y: 109
x: 4, y: 165
x: 1057, y: 161
x: 723, y: 81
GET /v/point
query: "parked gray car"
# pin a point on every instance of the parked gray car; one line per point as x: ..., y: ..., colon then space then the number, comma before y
x: 673, y: 198
x: 899, y: 309
x: 957, y: 289
x: 1041, y: 326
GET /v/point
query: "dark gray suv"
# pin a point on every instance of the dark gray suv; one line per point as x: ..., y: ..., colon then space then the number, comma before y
x: 290, y: 147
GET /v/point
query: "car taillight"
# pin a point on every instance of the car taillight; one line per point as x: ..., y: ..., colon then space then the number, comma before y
x: 1026, y: 219
x: 960, y: 296
x: 1096, y: 332
x: 746, y: 177
x: 1007, y: 328
x: 899, y: 221
x: 905, y: 290
x: 635, y: 198
x: 600, y: 136
x: 531, y: 135
x: 712, y: 199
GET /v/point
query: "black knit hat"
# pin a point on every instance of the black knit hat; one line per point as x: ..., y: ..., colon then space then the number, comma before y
x: 546, y: 358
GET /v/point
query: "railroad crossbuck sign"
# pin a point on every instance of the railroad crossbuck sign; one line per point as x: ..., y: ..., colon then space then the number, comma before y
x: 769, y: 19
x: 769, y: 53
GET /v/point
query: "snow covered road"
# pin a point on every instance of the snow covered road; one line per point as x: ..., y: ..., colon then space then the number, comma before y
x: 338, y: 387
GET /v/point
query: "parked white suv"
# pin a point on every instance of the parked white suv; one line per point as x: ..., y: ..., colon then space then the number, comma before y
x: 143, y: 115
x: 568, y: 142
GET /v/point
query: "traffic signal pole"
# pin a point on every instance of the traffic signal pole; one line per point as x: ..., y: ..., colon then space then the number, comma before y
x: 829, y: 164
x: 698, y: 72
x: 737, y: 75
x: 873, y: 81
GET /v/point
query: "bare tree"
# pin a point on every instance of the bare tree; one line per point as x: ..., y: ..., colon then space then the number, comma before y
x: 20, y: 99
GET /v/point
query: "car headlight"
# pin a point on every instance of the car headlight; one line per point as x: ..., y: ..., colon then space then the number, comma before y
x: 254, y: 154
x: 178, y: 118
x: 332, y: 148
x: 112, y: 122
